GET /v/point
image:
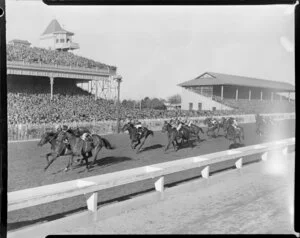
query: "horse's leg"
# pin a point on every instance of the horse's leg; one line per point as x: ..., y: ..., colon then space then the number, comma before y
x: 96, y: 151
x: 47, y: 155
x: 142, y: 143
x: 138, y: 142
x: 174, y: 145
x: 69, y: 163
x: 167, y: 147
x: 51, y: 161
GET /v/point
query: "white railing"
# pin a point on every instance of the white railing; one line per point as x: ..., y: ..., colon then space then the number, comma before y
x: 91, y: 185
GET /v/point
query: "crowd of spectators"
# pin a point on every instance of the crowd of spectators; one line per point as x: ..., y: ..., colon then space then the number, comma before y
x: 51, y: 57
x: 259, y: 106
x: 25, y: 106
x: 31, y: 104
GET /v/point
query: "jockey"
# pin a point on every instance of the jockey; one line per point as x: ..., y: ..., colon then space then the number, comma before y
x: 85, y: 136
x: 213, y: 121
x: 188, y: 122
x: 65, y: 128
x: 58, y: 128
x: 234, y: 123
x: 137, y: 124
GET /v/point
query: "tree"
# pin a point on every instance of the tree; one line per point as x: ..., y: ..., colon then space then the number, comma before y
x: 175, y: 99
x: 157, y: 104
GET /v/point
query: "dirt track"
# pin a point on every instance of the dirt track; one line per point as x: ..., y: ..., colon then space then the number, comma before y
x: 25, y: 167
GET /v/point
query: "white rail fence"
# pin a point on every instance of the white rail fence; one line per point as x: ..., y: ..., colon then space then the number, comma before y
x: 34, y: 131
x: 90, y: 186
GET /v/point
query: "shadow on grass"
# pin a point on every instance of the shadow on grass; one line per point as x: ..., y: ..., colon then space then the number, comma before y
x: 152, y: 147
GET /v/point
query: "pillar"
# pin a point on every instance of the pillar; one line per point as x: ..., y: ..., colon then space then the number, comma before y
x: 96, y: 90
x: 249, y: 94
x: 51, y: 87
x: 236, y: 94
x: 289, y: 96
x: 119, y: 80
x: 261, y: 95
x: 222, y: 92
x: 272, y: 96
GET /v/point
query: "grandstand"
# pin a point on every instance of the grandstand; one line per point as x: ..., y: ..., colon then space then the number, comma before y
x: 215, y: 91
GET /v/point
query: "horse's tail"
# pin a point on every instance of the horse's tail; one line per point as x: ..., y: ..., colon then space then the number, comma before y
x: 107, y: 144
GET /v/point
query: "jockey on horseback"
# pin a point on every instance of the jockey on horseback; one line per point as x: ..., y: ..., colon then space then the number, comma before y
x: 213, y: 121
x: 187, y: 121
x: 58, y: 128
x: 138, y: 125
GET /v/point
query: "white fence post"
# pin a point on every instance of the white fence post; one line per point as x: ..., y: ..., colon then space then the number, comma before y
x: 285, y: 151
x: 159, y: 186
x: 239, y: 163
x: 264, y: 156
x: 92, y: 201
x: 205, y: 172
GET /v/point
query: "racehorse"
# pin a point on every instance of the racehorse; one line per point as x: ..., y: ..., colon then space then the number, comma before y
x: 173, y: 135
x: 262, y: 123
x: 79, y: 147
x: 58, y: 149
x: 135, y: 136
x: 212, y: 126
x: 234, y: 133
x: 225, y: 122
x: 194, y: 130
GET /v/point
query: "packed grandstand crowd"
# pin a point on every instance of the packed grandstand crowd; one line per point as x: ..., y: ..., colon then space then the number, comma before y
x: 32, y: 105
x: 51, y: 57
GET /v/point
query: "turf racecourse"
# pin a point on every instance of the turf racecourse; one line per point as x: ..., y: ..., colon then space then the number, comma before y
x: 25, y: 167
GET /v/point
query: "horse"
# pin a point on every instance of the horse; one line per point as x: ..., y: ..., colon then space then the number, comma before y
x: 211, y: 126
x: 194, y: 129
x: 262, y: 123
x: 57, y: 148
x: 173, y: 135
x: 79, y: 147
x: 225, y: 122
x: 135, y: 136
x: 234, y: 133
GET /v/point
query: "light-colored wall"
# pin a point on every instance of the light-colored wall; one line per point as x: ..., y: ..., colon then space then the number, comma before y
x: 207, y: 103
x: 47, y: 42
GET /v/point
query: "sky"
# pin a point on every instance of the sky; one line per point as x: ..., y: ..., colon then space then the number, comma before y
x: 157, y: 47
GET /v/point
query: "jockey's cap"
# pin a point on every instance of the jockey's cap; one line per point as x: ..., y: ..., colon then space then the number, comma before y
x: 58, y: 127
x: 65, y: 127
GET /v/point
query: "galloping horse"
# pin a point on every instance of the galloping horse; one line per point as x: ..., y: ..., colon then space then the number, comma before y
x: 173, y: 135
x: 58, y: 149
x: 194, y: 130
x: 135, y: 136
x: 224, y: 124
x: 234, y: 133
x: 212, y: 124
x: 262, y: 123
x: 79, y: 147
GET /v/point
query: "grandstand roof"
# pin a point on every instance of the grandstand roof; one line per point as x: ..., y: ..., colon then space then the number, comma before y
x: 54, y: 27
x: 17, y: 41
x: 210, y: 78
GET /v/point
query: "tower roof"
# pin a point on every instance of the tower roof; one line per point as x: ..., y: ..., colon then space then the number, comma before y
x: 54, y: 27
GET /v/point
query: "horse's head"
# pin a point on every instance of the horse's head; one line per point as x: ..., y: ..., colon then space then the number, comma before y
x: 46, y: 137
x: 126, y: 127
